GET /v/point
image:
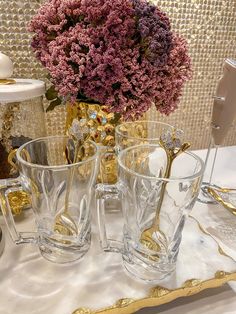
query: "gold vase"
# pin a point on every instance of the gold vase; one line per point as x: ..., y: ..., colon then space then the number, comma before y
x: 102, y: 125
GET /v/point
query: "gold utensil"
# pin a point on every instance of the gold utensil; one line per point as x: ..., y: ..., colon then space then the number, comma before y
x: 222, y: 196
x: 171, y: 143
x: 64, y: 223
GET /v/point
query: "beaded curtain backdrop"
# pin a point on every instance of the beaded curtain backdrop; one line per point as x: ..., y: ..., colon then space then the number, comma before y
x: 209, y: 27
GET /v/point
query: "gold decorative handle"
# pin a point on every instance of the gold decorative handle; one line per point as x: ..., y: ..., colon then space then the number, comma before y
x: 12, y: 158
x: 215, y: 193
x: 18, y: 201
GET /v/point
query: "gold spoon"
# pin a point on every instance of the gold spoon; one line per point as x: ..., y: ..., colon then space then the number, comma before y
x: 173, y: 147
x: 64, y: 223
x: 218, y: 195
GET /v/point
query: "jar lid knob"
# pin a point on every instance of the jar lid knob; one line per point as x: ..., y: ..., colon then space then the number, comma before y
x: 6, y: 68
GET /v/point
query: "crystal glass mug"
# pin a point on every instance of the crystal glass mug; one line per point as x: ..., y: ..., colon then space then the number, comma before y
x: 126, y: 134
x: 60, y: 196
x: 153, y: 217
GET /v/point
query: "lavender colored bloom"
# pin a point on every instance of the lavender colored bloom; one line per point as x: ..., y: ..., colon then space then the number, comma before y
x: 120, y: 53
x: 154, y: 28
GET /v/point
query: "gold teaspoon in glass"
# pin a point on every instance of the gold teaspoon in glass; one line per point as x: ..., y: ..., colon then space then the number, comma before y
x: 172, y: 145
x: 64, y: 223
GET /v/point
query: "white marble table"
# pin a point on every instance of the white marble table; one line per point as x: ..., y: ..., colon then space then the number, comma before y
x: 31, y: 285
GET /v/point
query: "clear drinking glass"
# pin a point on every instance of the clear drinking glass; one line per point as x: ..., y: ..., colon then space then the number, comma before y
x: 154, y: 209
x: 126, y: 134
x: 60, y: 196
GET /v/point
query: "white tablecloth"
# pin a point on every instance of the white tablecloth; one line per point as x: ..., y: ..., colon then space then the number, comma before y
x: 23, y: 291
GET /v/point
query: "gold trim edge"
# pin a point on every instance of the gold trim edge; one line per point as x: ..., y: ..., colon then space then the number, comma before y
x: 160, y: 295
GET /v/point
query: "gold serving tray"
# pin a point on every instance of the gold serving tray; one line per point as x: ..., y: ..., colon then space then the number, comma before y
x: 163, y: 293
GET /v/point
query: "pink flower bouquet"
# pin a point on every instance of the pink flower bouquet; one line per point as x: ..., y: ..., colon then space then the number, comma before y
x: 119, y: 53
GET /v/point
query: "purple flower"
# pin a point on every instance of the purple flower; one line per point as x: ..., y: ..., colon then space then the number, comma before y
x: 120, y: 53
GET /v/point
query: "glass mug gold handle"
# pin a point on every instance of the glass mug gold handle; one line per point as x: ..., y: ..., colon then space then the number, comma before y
x: 12, y: 199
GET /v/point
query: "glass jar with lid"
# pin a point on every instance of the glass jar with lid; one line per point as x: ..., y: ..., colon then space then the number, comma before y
x: 21, y: 117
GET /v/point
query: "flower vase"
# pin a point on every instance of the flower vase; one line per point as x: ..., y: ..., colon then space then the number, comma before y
x: 102, y: 125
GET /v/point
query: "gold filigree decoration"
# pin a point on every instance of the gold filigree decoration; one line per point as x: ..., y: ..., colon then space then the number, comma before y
x: 124, y: 302
x: 8, y: 118
x: 221, y: 274
x: 7, y: 124
x: 192, y: 283
x: 101, y: 124
x: 18, y: 201
x: 158, y: 292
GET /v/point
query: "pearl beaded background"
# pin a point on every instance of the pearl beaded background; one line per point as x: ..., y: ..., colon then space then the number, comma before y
x: 209, y: 27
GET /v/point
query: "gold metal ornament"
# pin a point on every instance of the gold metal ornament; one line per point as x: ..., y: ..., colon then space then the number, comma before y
x: 8, y: 120
x: 11, y: 159
x: 173, y: 147
x: 221, y: 195
x: 102, y: 131
x: 96, y: 117
x: 19, y: 200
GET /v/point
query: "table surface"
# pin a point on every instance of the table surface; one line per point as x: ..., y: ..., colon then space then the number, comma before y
x: 14, y: 281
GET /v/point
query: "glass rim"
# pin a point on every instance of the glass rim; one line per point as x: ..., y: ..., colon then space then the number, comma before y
x: 117, y: 131
x: 171, y: 179
x: 56, y: 167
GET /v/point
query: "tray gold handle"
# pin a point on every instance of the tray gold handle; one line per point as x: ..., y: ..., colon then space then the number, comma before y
x: 216, y: 193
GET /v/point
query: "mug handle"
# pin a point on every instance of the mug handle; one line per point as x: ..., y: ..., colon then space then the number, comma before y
x: 105, y: 192
x: 17, y: 237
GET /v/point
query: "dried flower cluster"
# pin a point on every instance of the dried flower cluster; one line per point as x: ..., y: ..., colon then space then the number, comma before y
x: 121, y: 53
